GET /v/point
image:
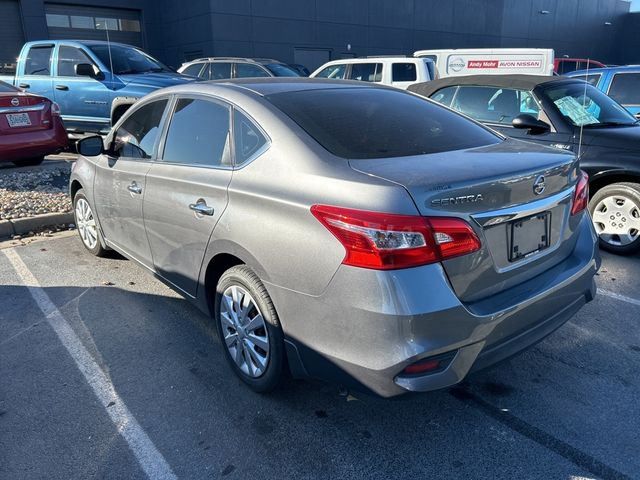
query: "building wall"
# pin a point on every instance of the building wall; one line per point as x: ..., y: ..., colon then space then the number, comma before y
x: 291, y: 29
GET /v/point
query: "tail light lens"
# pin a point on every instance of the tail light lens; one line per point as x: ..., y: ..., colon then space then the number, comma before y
x: 385, y: 241
x: 581, y: 195
x: 55, y: 109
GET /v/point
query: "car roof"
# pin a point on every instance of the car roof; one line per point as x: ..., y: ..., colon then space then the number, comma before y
x: 377, y: 59
x: 234, y: 59
x: 521, y: 82
x: 80, y: 42
x: 624, y: 68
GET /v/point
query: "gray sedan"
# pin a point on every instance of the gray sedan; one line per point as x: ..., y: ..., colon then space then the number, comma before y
x: 350, y: 232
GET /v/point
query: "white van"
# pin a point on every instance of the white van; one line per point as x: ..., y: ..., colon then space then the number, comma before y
x: 487, y: 61
x: 399, y: 72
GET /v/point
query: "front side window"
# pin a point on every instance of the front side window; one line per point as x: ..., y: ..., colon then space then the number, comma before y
x: 404, y: 72
x: 333, y: 71
x: 247, y: 137
x: 625, y: 88
x: 245, y: 70
x: 198, y: 134
x: 137, y: 136
x: 366, y: 72
x: 219, y: 71
x: 193, y: 69
x: 68, y: 58
x: 366, y: 123
x: 38, y: 61
x: 583, y: 105
x: 494, y: 104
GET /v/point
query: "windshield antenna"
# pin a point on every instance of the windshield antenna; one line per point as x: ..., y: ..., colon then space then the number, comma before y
x: 584, y: 105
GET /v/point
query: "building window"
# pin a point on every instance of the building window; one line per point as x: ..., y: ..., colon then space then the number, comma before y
x: 61, y: 21
x: 129, y: 25
x: 106, y: 23
x: 82, y: 22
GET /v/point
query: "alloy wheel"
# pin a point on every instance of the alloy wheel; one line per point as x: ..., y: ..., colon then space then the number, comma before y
x: 86, y: 224
x: 244, y: 331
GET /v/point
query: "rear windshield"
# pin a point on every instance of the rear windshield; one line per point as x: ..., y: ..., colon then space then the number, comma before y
x: 363, y: 123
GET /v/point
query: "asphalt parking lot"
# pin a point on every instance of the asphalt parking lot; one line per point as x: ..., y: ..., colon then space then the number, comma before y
x: 106, y: 373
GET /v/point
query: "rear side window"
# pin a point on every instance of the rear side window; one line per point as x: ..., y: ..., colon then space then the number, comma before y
x: 625, y: 88
x: 136, y: 137
x: 219, y: 71
x: 444, y: 95
x: 193, y: 69
x: 244, y: 70
x: 248, y: 138
x: 404, y: 72
x: 494, y: 104
x: 68, y: 58
x: 38, y: 61
x: 198, y: 134
x: 366, y: 72
x: 363, y: 123
x: 333, y: 71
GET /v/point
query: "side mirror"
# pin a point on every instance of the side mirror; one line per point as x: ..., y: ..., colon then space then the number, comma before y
x: 90, y: 146
x: 86, y: 70
x: 531, y: 123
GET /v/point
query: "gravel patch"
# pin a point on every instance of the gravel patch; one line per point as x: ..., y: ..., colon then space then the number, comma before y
x: 34, y: 192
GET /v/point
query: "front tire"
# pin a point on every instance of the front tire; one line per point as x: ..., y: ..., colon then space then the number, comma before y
x: 249, y: 329
x: 86, y: 224
x: 615, y: 211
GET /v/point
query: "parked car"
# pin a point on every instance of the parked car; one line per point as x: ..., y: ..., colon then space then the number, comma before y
x: 30, y: 127
x: 93, y: 82
x: 222, y: 68
x: 301, y: 69
x: 354, y: 232
x: 455, y: 62
x: 568, y: 114
x: 399, y: 72
x: 563, y: 66
x: 620, y: 83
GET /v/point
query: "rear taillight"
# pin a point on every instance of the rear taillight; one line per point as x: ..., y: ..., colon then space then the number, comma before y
x: 581, y: 195
x: 55, y: 109
x: 385, y: 241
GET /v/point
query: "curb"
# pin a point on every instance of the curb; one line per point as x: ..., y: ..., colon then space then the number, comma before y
x: 20, y: 226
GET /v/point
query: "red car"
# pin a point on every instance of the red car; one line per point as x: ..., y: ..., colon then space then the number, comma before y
x: 566, y: 65
x: 30, y: 127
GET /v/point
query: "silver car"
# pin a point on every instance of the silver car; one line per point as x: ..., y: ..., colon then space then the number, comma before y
x: 355, y: 233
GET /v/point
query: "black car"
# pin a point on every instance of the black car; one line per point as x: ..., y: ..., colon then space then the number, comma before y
x: 569, y: 114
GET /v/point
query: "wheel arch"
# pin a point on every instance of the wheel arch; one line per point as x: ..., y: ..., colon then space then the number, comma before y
x: 74, y: 187
x: 608, y: 178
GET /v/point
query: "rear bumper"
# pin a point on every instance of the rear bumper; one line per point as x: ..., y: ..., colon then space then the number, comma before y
x: 369, y: 325
x: 17, y: 146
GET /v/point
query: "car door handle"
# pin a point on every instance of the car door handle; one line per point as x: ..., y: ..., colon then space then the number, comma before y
x: 201, y: 207
x: 62, y: 87
x: 24, y: 85
x: 135, y: 188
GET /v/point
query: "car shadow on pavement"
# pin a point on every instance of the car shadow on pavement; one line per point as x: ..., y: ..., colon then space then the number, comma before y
x: 165, y: 361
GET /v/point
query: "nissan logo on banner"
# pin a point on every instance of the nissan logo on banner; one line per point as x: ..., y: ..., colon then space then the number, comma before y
x: 456, y: 64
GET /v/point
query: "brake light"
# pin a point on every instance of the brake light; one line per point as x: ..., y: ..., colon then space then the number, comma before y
x: 581, y: 194
x: 385, y: 241
x: 55, y: 109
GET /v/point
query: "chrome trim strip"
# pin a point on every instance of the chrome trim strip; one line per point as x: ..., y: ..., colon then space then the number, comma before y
x: 496, y: 217
x: 21, y: 109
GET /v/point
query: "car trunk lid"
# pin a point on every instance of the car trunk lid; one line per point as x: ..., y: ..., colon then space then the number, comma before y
x: 21, y: 113
x: 517, y: 197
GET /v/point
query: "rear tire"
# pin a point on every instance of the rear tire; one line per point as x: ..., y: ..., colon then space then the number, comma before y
x: 249, y: 329
x: 86, y: 224
x: 28, y: 162
x: 615, y: 212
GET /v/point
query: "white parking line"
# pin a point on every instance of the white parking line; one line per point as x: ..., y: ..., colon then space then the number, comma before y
x: 146, y: 453
x: 617, y: 296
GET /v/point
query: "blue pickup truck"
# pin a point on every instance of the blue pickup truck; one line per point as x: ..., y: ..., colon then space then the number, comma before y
x: 93, y: 82
x: 620, y: 83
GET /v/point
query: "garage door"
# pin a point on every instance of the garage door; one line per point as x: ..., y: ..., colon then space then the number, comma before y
x: 89, y: 23
x: 11, y: 35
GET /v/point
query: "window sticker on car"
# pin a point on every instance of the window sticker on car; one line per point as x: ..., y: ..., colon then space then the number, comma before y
x: 570, y: 107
